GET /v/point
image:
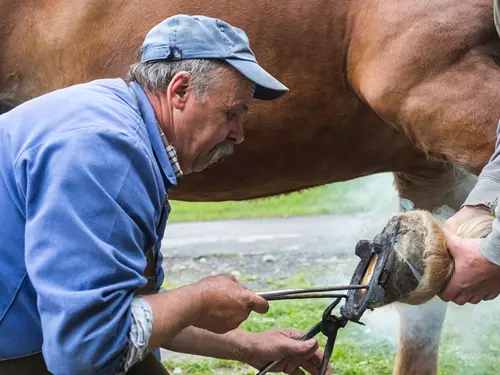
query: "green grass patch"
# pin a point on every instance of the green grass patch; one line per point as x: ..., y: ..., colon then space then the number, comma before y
x: 356, y: 351
x: 364, y: 194
x: 208, y: 366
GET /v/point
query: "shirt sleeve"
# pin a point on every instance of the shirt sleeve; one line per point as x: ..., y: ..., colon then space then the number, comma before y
x: 139, y: 334
x: 90, y: 214
x: 486, y: 193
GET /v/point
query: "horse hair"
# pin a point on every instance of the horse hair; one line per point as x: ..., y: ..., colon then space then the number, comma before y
x: 422, y: 243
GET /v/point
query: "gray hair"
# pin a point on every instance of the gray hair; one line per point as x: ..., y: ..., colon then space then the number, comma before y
x: 156, y: 75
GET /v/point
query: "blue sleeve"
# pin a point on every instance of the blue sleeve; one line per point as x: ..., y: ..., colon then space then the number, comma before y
x: 90, y: 213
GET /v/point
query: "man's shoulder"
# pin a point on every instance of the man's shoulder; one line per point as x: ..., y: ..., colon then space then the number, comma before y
x: 100, y: 87
x: 101, y: 94
x: 105, y: 101
x: 98, y: 100
x: 102, y: 105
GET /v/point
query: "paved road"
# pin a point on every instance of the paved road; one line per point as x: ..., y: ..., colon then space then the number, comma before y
x: 269, y: 248
x: 329, y: 234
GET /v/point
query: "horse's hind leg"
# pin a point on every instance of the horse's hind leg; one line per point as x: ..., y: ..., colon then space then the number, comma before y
x: 420, y: 326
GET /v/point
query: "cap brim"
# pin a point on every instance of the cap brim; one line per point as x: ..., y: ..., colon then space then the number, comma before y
x: 267, y: 87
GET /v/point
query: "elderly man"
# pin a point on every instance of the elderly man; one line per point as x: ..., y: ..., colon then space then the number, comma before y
x: 85, y: 176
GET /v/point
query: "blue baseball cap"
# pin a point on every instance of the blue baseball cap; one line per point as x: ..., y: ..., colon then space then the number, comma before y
x: 184, y: 37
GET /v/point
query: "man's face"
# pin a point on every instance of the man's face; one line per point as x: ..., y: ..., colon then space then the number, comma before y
x: 211, y: 128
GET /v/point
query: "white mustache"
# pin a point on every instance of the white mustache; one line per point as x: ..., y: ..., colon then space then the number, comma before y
x: 219, y: 152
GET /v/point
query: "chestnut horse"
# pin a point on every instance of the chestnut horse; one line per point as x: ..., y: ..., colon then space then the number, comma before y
x: 410, y: 87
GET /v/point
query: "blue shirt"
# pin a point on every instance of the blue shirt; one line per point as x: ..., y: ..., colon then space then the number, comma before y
x: 83, y: 183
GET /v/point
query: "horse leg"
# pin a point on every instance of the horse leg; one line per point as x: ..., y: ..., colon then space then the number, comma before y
x: 420, y: 326
x: 443, y: 93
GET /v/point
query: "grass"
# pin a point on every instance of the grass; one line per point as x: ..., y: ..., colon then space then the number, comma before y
x: 363, y: 194
x: 357, y: 352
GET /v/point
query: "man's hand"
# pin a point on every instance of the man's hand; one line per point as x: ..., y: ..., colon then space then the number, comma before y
x: 465, y: 214
x: 276, y: 344
x: 475, y: 277
x: 225, y: 303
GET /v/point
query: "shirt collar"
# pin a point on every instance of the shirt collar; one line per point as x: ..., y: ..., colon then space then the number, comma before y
x: 161, y: 151
x: 171, y: 153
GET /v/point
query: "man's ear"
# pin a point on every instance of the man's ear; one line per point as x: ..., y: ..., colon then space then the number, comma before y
x: 178, y: 89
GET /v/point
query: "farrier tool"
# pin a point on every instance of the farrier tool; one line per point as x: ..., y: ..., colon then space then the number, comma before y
x: 278, y: 295
x: 365, y: 291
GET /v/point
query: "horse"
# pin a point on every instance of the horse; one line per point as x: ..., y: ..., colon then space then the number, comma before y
x: 401, y: 86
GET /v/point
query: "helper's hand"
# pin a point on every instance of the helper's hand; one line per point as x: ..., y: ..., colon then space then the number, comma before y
x: 475, y: 277
x: 225, y: 303
x: 276, y: 344
x: 466, y: 213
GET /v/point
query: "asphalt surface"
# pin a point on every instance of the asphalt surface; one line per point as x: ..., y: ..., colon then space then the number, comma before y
x: 264, y: 248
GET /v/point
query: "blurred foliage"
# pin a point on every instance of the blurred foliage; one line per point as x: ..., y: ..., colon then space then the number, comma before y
x: 372, y: 193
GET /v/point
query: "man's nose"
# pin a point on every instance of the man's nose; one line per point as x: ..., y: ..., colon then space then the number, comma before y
x: 237, y: 135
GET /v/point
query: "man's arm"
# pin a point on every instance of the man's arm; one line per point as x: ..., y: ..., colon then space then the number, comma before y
x: 216, y: 304
x: 486, y: 193
x: 90, y: 214
x: 233, y: 345
x: 255, y: 349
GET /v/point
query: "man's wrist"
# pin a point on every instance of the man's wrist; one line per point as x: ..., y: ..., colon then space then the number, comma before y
x: 172, y: 312
x: 464, y: 214
x: 489, y: 248
x: 485, y: 193
x: 476, y: 207
x: 236, y: 345
x: 244, y: 347
x: 193, y: 304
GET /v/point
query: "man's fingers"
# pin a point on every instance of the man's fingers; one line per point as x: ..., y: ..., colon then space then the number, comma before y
x: 259, y: 305
x: 316, y: 359
x: 475, y: 300
x: 452, y: 240
x: 294, y: 347
x: 489, y: 297
x: 450, y: 292
x: 312, y: 366
x: 462, y: 298
x: 297, y: 371
x: 329, y: 371
x: 293, y: 366
x: 293, y: 333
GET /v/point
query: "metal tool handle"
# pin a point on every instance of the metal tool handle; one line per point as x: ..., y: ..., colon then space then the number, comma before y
x: 301, y: 296
x: 276, y: 295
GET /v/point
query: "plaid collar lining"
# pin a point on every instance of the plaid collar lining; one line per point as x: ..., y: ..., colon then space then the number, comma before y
x: 171, y: 153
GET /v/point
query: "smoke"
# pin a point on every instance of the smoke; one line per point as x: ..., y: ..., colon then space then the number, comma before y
x: 468, y: 331
x: 374, y: 193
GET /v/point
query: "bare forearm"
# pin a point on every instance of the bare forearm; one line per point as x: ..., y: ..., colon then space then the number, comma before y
x: 216, y: 304
x: 172, y: 312
x: 233, y: 345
